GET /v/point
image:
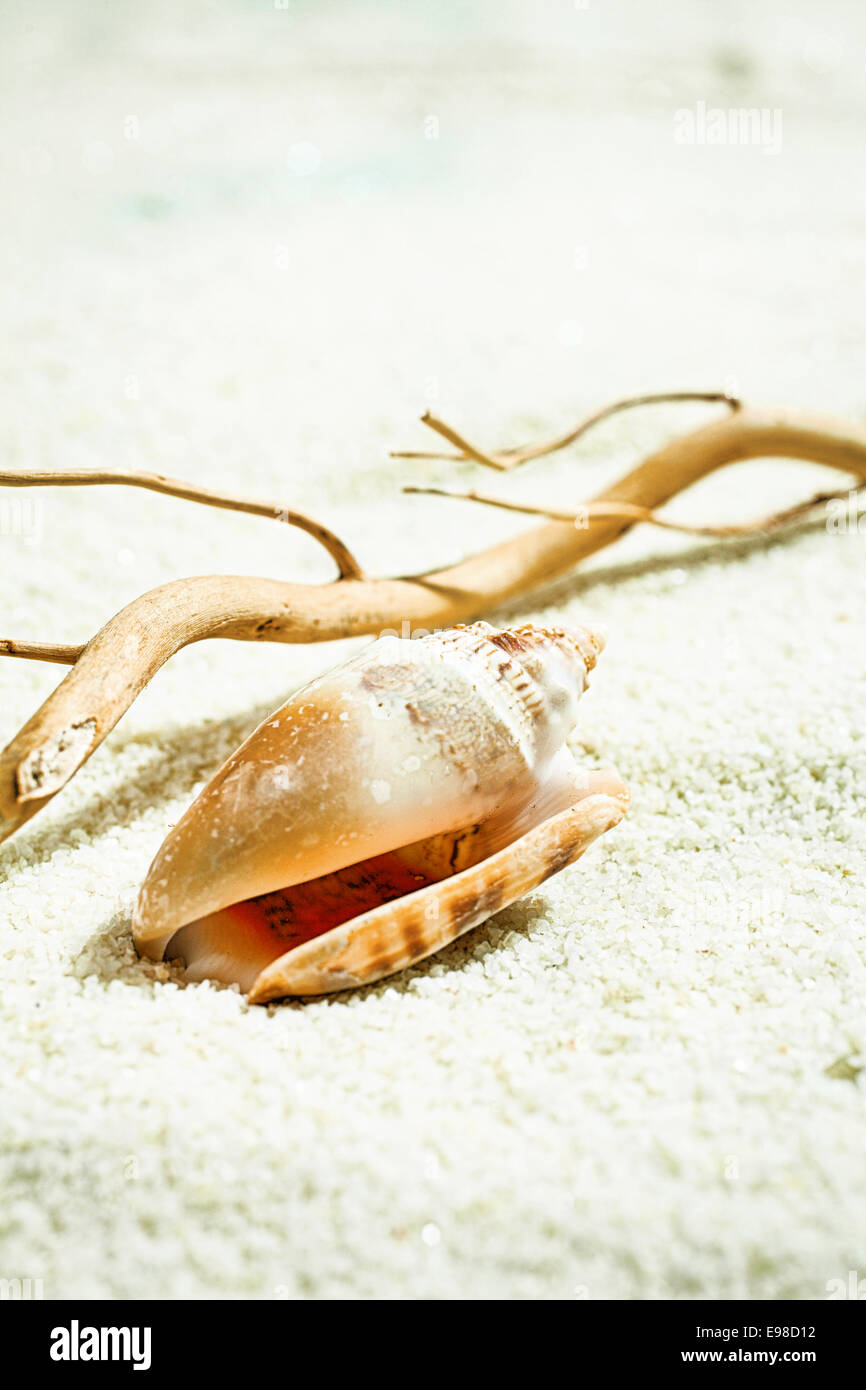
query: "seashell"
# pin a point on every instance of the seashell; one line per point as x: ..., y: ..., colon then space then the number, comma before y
x: 382, y: 811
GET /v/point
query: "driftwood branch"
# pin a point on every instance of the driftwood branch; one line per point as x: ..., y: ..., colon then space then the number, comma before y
x: 625, y: 511
x: 347, y: 565
x: 506, y: 459
x: 117, y: 663
x: 64, y: 654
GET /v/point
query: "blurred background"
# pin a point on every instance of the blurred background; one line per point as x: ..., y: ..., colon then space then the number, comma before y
x: 254, y: 239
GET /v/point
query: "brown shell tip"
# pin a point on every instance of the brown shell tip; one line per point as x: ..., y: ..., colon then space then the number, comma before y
x: 588, y: 639
x: 597, y: 635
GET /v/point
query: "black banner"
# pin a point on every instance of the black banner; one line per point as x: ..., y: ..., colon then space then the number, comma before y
x: 82, y: 1339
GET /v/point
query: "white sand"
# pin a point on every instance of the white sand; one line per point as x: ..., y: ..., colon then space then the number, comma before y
x: 618, y: 1087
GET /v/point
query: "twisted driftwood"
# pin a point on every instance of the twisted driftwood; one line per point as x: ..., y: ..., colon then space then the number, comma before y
x: 111, y: 669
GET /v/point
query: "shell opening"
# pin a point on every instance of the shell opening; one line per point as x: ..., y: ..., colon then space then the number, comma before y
x: 235, y: 944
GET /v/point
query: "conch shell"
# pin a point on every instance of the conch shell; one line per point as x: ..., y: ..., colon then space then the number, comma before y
x: 382, y: 811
